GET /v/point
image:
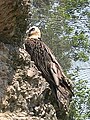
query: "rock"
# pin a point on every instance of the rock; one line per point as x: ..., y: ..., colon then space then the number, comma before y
x: 4, y: 71
x: 28, y: 94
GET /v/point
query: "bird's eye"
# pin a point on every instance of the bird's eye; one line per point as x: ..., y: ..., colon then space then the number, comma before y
x: 32, y: 29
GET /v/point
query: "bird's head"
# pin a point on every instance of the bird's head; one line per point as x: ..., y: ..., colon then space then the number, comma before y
x: 34, y: 32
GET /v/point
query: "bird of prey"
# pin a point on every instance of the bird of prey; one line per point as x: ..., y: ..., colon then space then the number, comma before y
x: 46, y: 63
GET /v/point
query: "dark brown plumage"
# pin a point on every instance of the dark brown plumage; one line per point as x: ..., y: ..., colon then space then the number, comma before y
x: 47, y: 64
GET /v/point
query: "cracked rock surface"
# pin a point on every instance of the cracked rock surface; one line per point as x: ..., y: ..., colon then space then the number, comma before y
x: 26, y: 97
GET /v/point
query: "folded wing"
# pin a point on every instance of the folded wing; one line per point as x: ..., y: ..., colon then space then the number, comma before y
x: 50, y: 68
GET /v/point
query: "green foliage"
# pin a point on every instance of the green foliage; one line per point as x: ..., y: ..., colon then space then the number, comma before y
x: 78, y: 108
x: 80, y: 47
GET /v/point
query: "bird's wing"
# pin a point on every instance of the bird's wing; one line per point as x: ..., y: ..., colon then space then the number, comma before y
x: 58, y: 74
x: 46, y: 63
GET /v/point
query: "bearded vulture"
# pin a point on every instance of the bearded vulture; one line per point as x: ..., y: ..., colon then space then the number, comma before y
x: 48, y: 65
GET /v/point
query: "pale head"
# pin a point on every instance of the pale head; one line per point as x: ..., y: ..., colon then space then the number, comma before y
x: 34, y: 32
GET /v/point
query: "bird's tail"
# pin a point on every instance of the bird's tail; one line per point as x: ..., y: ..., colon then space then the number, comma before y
x: 62, y: 94
x: 63, y: 98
